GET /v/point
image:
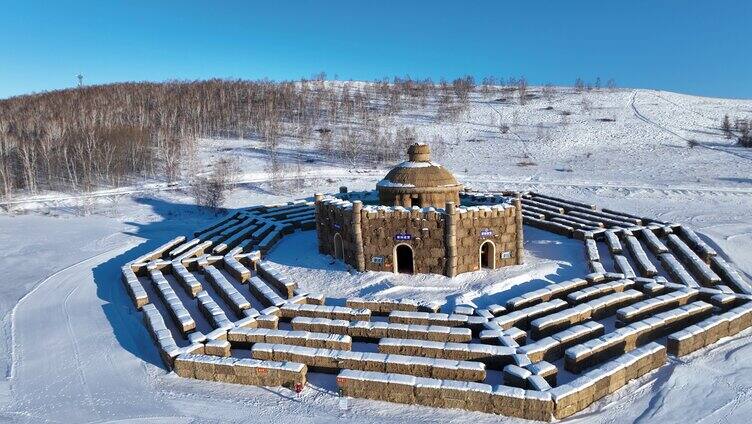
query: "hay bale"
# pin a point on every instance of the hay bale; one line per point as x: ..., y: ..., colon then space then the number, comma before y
x: 536, y: 382
x: 400, y: 388
x: 217, y: 348
x: 184, y: 366
x: 516, y: 376
x: 350, y: 360
x: 506, y: 400
x: 454, y: 394
x: 428, y: 392
x: 544, y: 369
x: 538, y: 405
x: 267, y: 321
x: 522, y: 317
x: 478, y: 397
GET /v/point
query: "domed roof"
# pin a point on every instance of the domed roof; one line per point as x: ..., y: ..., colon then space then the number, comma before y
x: 418, y: 172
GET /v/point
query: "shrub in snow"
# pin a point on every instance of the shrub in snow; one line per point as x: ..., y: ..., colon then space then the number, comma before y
x: 726, y: 126
x: 210, y: 191
x: 745, y: 137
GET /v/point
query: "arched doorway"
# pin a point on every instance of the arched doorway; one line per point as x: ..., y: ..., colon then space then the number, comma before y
x: 339, y: 252
x: 403, y: 259
x: 488, y: 255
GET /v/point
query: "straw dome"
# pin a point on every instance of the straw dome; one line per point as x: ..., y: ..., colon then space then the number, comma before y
x: 419, y: 182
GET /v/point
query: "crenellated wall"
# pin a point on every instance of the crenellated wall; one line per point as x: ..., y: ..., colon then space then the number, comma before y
x: 480, y: 224
x: 385, y: 228
x: 334, y: 216
x: 444, y: 241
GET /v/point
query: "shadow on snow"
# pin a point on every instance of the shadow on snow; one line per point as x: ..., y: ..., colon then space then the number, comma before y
x: 126, y: 321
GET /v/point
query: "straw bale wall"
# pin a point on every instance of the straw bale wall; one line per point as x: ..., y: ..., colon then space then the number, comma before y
x: 374, y: 330
x: 331, y: 360
x: 241, y: 371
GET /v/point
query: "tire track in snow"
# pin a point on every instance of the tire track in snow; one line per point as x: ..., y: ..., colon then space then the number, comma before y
x: 647, y: 120
x: 78, y: 386
x: 658, y: 95
x: 13, y: 347
x: 666, y: 191
x: 664, y: 128
x: 11, y: 377
x: 515, y: 133
x: 77, y: 352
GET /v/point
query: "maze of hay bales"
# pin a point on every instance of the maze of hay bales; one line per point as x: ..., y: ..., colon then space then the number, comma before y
x: 219, y: 312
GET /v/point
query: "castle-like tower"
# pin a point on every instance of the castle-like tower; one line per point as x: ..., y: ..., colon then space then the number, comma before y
x: 419, y: 182
x: 419, y: 225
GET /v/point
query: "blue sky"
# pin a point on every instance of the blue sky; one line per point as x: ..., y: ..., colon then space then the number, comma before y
x: 692, y: 46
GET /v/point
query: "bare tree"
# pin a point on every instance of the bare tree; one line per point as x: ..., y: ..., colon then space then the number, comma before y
x: 349, y: 145
x: 6, y: 169
x: 585, y: 104
x: 325, y: 145
x: 462, y: 88
x: 548, y: 92
x: 487, y: 85
x: 438, y: 146
x: 275, y: 172
x: 522, y: 90
x: 745, y: 135
x: 211, y: 191
x: 726, y: 126
x: 299, y: 180
x: 449, y: 107
x: 579, y: 85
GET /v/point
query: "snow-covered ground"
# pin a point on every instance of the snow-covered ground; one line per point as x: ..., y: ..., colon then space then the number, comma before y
x: 549, y: 258
x: 74, y: 350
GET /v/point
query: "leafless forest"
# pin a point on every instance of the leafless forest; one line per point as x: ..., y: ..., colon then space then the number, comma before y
x: 110, y: 135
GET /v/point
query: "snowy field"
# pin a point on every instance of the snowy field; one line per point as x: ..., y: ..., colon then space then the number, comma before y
x: 74, y: 349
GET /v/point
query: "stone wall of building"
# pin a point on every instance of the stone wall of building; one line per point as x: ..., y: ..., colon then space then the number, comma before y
x: 443, y: 241
x: 477, y: 225
x: 334, y: 216
x: 421, y: 229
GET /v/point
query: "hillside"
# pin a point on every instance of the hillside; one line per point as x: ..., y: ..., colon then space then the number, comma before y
x: 621, y: 149
x: 619, y: 138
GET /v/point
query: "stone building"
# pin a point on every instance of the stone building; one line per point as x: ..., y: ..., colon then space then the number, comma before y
x: 419, y: 225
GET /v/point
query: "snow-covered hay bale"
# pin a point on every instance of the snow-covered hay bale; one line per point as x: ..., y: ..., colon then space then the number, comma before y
x: 241, y: 371
x: 383, y: 306
x: 273, y: 275
x: 134, y: 287
x: 289, y: 311
x: 249, y: 336
x: 331, y: 360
